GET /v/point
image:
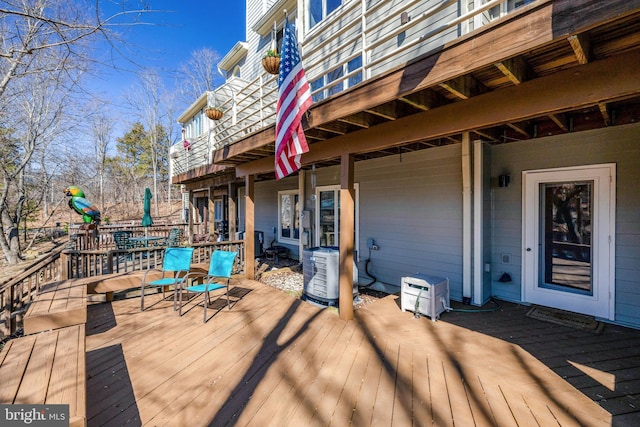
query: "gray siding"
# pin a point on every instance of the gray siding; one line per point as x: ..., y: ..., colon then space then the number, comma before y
x: 266, y: 208
x: 611, y: 145
x: 412, y: 206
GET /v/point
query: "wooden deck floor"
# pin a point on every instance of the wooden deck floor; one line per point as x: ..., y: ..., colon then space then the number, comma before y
x: 277, y: 361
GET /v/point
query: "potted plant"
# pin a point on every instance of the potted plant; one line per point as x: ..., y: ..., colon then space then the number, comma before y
x: 214, y: 113
x: 271, y: 61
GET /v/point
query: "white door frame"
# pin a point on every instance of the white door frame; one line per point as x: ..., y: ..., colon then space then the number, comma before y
x: 602, y: 301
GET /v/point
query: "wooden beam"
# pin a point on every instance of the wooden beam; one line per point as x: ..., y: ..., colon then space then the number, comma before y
x: 608, y: 79
x: 450, y: 138
x: 209, y: 169
x: 604, y: 110
x: 424, y: 99
x: 519, y: 129
x: 515, y: 69
x: 356, y: 120
x: 310, y: 135
x: 414, y: 104
x: 489, y: 136
x: 560, y: 120
x: 330, y: 130
x: 383, y: 111
x: 580, y: 44
x: 463, y: 87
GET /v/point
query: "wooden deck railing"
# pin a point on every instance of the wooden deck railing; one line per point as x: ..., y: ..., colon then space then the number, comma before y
x: 62, y: 263
x: 17, y: 293
x: 80, y: 239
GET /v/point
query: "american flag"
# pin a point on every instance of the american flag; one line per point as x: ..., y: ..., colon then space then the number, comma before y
x: 294, y: 98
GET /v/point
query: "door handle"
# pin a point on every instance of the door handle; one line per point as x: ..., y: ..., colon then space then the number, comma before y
x: 528, y: 249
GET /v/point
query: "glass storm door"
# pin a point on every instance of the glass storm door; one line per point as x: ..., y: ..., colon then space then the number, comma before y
x: 328, y: 209
x: 568, y: 227
x: 328, y: 216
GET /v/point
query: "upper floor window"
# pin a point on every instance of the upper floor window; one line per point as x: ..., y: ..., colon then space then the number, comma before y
x: 319, y: 9
x: 198, y: 123
x: 336, y: 80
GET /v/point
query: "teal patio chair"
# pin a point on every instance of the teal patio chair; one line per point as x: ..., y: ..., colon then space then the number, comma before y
x: 218, y: 277
x: 175, y: 268
x: 174, y: 238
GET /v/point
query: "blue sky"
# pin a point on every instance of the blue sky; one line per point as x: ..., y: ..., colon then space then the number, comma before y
x: 167, y: 39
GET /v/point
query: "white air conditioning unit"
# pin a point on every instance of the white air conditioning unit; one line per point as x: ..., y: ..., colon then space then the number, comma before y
x: 321, y: 271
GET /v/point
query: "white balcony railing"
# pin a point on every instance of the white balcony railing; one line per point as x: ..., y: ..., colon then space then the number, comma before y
x: 358, y: 41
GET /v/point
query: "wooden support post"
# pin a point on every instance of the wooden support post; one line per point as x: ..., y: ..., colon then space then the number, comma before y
x: 233, y: 210
x: 190, y: 218
x: 211, y: 213
x: 249, y: 229
x: 64, y: 266
x: 347, y: 236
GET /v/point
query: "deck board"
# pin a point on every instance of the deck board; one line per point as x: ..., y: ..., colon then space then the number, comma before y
x: 57, y: 305
x: 47, y: 368
x: 273, y: 360
x: 301, y: 373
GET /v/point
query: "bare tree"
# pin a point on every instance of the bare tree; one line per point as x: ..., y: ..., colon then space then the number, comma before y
x: 44, y: 46
x: 102, y: 127
x: 146, y: 99
x: 38, y: 114
x: 199, y: 74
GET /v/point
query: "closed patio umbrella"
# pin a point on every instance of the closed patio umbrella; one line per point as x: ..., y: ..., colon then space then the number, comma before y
x: 147, y: 221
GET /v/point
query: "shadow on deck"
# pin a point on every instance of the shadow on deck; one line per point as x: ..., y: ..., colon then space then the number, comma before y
x: 275, y: 360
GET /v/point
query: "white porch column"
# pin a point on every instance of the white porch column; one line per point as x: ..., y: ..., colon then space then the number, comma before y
x: 478, y: 227
x: 467, y: 218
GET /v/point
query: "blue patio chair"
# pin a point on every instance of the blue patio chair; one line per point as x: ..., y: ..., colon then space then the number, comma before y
x: 220, y: 267
x: 174, y: 238
x: 175, y: 268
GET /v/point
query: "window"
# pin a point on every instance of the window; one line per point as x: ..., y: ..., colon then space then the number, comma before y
x: 332, y: 76
x: 218, y: 210
x: 322, y: 87
x: 353, y: 65
x: 198, y: 123
x: 320, y: 9
x: 288, y: 215
x: 315, y: 85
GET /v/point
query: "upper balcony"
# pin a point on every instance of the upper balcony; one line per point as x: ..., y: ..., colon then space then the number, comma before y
x: 358, y: 41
